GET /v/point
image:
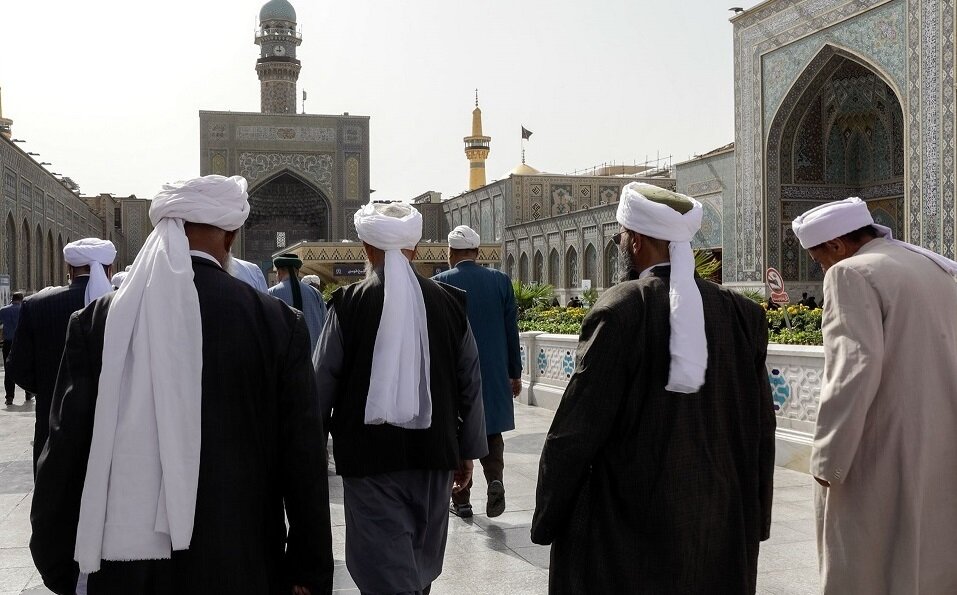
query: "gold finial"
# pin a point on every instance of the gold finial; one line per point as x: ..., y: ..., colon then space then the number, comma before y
x: 476, y: 98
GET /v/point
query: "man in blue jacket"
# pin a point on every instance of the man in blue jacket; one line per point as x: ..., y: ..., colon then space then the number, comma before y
x: 493, y: 318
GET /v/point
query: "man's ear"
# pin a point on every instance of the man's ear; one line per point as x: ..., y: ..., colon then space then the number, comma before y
x: 635, y: 243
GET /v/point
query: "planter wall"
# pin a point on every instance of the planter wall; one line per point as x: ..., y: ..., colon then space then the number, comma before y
x: 794, y: 371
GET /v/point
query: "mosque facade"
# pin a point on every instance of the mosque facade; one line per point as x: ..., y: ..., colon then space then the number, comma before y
x: 308, y: 174
x: 838, y: 98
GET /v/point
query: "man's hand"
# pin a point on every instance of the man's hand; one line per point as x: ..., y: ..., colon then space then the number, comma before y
x: 823, y: 482
x: 462, y: 476
x: 297, y: 590
x: 516, y: 387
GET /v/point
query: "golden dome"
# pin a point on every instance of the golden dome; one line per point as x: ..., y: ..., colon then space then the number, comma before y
x: 524, y: 170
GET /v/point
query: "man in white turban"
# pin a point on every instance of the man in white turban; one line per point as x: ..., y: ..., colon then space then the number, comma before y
x: 493, y: 318
x: 885, y: 449
x: 185, y: 428
x: 656, y: 473
x: 41, y: 333
x: 398, y: 370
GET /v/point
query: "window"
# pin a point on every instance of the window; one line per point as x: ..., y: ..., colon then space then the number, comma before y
x: 280, y: 239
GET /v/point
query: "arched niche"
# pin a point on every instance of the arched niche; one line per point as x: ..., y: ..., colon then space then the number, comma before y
x: 839, y: 132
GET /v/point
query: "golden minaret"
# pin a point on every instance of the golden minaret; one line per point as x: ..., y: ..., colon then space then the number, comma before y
x: 476, y: 149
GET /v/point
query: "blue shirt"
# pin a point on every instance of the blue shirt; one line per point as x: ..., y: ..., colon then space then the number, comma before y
x: 313, y: 308
x: 9, y: 317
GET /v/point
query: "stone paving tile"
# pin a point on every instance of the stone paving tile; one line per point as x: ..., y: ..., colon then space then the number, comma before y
x: 483, y: 555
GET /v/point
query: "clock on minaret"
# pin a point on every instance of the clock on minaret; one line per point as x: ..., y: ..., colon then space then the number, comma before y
x: 278, y: 69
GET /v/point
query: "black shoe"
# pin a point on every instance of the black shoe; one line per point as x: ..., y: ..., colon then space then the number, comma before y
x: 27, y: 398
x: 496, y: 499
x: 9, y: 402
x: 463, y: 511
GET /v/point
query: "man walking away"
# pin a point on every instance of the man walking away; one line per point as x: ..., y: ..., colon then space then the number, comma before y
x: 185, y: 429
x: 41, y: 333
x: 656, y: 476
x: 398, y: 369
x: 9, y: 316
x: 493, y: 317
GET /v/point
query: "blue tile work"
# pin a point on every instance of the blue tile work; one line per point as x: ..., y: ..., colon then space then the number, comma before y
x: 568, y: 364
x: 780, y: 389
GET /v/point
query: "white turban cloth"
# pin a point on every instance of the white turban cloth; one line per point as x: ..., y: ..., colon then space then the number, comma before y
x: 464, y: 237
x: 400, y: 359
x: 638, y: 211
x: 139, y: 497
x: 117, y: 279
x: 92, y: 252
x: 834, y: 219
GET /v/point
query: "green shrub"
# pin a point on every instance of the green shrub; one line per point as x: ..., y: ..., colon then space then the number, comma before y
x: 805, y: 326
x: 563, y: 321
x: 590, y: 296
x: 805, y: 323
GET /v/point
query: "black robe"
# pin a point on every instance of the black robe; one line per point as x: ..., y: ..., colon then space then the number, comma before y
x: 642, y: 490
x: 262, y: 456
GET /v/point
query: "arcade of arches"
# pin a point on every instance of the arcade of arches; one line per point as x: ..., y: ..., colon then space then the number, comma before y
x: 841, y: 134
x: 283, y: 211
x: 30, y: 257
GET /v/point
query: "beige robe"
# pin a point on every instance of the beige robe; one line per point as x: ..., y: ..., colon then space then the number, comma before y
x: 886, y: 435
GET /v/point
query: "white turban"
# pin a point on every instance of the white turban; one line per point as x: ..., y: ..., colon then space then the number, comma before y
x: 464, y: 237
x: 400, y: 359
x: 149, y: 397
x: 92, y: 252
x: 117, y: 279
x: 834, y: 219
x: 638, y: 211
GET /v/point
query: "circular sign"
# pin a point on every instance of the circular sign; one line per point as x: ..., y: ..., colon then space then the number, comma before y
x: 775, y: 281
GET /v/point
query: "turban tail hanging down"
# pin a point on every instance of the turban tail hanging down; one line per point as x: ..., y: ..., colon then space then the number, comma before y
x: 96, y: 254
x: 464, y: 237
x: 150, y: 499
x: 651, y: 211
x: 291, y: 264
x: 834, y: 219
x: 399, y: 390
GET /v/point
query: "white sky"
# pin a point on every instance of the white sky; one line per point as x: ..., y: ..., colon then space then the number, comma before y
x: 109, y: 91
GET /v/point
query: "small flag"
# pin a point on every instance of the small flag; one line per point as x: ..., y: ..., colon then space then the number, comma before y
x: 526, y: 133
x: 303, y: 94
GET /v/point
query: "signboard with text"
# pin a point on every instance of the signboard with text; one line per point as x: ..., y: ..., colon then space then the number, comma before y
x: 349, y: 270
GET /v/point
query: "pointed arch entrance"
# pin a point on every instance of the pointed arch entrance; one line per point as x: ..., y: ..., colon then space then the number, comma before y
x: 283, y: 210
x: 839, y: 133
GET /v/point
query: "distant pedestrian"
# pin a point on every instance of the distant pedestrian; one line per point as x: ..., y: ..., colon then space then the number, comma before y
x: 9, y: 316
x: 885, y: 449
x: 803, y: 300
x: 41, y: 333
x: 811, y: 302
x: 297, y: 294
x: 185, y: 434
x: 494, y: 320
x: 575, y: 302
x: 398, y: 370
x: 656, y: 475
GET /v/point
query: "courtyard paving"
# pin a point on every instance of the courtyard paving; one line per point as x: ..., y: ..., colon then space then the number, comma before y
x: 484, y: 556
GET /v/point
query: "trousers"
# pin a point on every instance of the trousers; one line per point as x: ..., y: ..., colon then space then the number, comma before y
x: 493, y: 466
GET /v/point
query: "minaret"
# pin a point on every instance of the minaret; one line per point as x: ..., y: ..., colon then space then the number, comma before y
x: 5, y: 123
x: 277, y: 67
x: 476, y: 149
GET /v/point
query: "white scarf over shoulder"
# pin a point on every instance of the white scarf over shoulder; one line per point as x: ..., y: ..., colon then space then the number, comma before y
x: 834, y: 219
x: 638, y: 211
x: 94, y: 253
x: 400, y: 359
x: 139, y: 498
